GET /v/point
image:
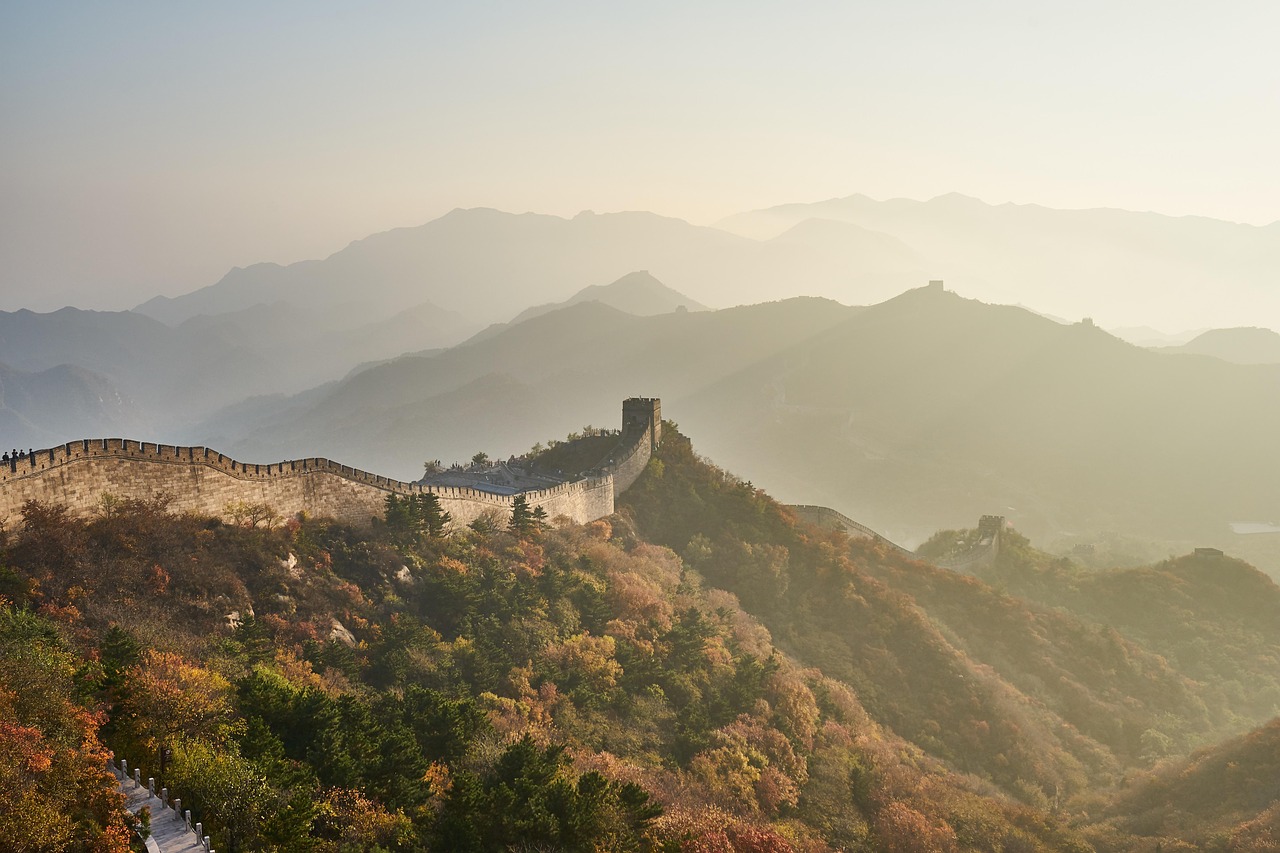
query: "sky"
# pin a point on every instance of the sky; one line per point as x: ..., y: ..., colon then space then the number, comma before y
x: 146, y: 148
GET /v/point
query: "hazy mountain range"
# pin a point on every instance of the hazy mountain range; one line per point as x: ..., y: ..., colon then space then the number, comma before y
x: 177, y: 375
x: 36, y: 407
x: 489, y: 266
x: 1121, y: 267
x: 1124, y: 268
x: 482, y: 328
x: 922, y: 412
x: 543, y: 377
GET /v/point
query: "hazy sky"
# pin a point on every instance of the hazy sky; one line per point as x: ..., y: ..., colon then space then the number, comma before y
x: 147, y: 147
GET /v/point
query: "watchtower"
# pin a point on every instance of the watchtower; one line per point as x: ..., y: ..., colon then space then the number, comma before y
x: 990, y: 526
x: 640, y: 413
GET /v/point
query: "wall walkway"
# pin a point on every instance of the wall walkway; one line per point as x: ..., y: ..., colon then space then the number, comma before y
x: 202, y: 480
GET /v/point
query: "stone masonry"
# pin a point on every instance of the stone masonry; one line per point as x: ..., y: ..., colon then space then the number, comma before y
x: 201, y: 480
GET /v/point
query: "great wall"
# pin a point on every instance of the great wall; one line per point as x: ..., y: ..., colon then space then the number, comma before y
x: 990, y: 534
x: 201, y: 480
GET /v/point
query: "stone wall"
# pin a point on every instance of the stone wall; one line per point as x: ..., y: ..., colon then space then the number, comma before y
x: 826, y: 517
x: 980, y: 556
x: 203, y: 481
x: 983, y: 554
x: 630, y: 459
x: 641, y: 434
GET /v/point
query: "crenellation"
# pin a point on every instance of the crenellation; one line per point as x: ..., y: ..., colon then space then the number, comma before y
x: 203, y: 480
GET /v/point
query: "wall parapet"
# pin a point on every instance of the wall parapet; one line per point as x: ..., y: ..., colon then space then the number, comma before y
x: 39, y: 461
x: 201, y: 476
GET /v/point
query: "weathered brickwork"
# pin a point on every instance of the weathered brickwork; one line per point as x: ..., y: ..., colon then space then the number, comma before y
x: 204, y: 481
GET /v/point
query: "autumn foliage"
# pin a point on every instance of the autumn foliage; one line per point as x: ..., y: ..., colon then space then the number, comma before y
x: 699, y: 672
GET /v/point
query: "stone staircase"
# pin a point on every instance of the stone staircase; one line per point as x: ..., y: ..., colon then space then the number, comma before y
x: 171, y: 828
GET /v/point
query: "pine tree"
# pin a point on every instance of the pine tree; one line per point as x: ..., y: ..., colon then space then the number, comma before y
x: 526, y: 520
x: 397, y: 513
x: 521, y: 517
x: 435, y: 519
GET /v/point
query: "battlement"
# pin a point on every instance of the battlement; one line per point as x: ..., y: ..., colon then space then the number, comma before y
x: 991, y: 525
x: 202, y: 480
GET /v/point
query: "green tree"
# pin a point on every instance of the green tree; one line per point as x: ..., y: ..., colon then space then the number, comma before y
x: 223, y: 787
x: 118, y: 652
x: 397, y: 514
x: 416, y: 515
x: 530, y: 799
x: 526, y: 520
x: 434, y: 517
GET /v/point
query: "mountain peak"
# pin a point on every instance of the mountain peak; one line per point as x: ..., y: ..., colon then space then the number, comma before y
x: 955, y: 198
x: 1241, y: 345
x: 638, y: 293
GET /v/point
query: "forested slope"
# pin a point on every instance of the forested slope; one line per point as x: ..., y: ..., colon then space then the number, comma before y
x: 493, y: 689
x: 700, y: 672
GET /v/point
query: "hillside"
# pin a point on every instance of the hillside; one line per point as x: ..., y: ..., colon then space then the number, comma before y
x: 929, y: 410
x: 698, y: 672
x: 325, y: 688
x: 1050, y: 698
x: 1216, y: 620
x: 1224, y: 796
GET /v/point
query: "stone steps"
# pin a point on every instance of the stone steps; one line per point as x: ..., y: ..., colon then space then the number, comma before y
x: 170, y: 832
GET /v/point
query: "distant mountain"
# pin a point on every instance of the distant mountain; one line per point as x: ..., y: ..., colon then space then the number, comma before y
x: 308, y: 345
x: 53, y: 406
x: 1250, y: 345
x: 109, y: 340
x: 536, y: 378
x: 637, y: 293
x: 1145, y: 336
x: 175, y: 376
x: 488, y: 266
x: 167, y: 373
x: 919, y: 413
x: 934, y: 409
x: 1125, y: 267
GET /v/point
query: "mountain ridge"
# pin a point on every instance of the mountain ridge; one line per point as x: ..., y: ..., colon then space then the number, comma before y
x: 1133, y: 267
